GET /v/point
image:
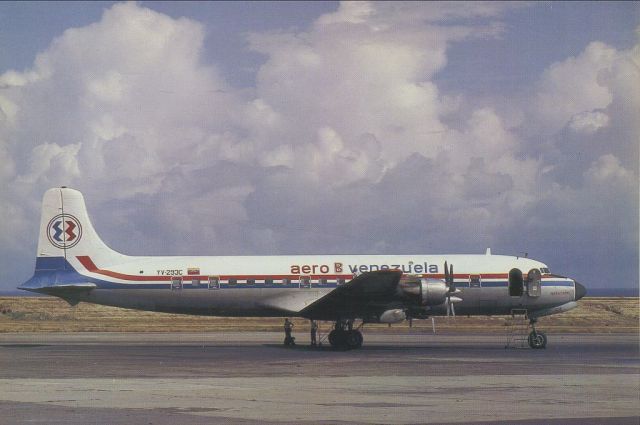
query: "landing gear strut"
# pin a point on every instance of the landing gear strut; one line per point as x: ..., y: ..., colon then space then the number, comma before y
x: 344, y: 337
x: 537, y: 340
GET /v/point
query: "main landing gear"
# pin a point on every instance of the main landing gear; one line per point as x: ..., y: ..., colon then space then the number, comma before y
x: 344, y: 337
x: 537, y: 340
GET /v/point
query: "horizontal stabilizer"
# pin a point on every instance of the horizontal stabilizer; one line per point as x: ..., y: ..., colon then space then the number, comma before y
x: 70, y: 293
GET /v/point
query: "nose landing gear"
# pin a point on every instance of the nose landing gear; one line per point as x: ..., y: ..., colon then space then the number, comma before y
x: 537, y: 340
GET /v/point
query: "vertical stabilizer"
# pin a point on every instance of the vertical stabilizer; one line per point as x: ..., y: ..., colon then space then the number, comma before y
x: 67, y: 232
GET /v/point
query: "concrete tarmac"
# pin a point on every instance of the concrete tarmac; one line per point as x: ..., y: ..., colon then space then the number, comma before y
x: 249, y: 378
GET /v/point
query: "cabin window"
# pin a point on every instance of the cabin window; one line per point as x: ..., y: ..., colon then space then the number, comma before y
x: 323, y: 281
x: 195, y: 283
x: 214, y: 282
x: 251, y: 281
x: 340, y: 281
x: 268, y: 281
x: 286, y: 281
x: 233, y: 281
x: 474, y: 281
x: 305, y: 282
x: 176, y: 284
x: 516, y: 283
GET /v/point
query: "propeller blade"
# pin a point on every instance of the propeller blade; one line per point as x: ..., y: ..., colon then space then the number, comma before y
x: 452, y: 284
x: 451, y: 287
x: 446, y: 273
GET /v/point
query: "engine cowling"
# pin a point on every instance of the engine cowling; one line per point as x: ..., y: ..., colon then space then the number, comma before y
x: 393, y: 316
x: 424, y: 291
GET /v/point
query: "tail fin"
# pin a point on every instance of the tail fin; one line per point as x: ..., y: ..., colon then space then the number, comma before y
x: 67, y: 232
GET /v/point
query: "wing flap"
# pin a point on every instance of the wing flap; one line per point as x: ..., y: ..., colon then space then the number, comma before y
x: 291, y: 303
x: 359, y: 297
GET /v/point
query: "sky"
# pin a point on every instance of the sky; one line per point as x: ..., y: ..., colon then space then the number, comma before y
x: 229, y: 128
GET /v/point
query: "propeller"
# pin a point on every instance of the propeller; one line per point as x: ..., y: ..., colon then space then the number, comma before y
x: 451, y: 286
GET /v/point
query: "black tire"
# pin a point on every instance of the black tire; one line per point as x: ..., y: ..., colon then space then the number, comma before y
x: 333, y: 339
x: 351, y: 339
x: 354, y: 339
x: 339, y: 340
x: 544, y: 340
x: 537, y: 340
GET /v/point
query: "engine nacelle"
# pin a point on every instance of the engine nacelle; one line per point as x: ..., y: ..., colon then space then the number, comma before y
x: 393, y: 316
x: 424, y: 291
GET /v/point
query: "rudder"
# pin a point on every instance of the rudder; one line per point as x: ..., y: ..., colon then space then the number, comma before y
x: 66, y: 230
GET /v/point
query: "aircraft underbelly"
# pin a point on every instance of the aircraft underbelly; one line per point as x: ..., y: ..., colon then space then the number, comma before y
x: 227, y: 302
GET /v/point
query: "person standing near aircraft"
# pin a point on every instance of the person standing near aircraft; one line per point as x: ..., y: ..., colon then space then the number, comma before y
x: 288, y: 327
x: 314, y: 330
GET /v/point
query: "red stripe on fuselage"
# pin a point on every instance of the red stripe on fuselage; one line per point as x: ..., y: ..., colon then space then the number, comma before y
x: 90, y: 266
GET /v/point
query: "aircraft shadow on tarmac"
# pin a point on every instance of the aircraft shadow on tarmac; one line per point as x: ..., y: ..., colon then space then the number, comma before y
x: 401, y: 348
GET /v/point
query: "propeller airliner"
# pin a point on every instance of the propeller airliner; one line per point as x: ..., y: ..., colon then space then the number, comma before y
x: 73, y: 263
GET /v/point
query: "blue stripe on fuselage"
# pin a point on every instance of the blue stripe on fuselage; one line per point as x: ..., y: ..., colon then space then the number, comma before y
x: 51, y: 271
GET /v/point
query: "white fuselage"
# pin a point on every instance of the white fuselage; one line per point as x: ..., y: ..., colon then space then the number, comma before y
x: 73, y: 263
x: 284, y: 285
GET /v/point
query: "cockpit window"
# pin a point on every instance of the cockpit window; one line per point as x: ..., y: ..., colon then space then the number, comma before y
x: 545, y: 270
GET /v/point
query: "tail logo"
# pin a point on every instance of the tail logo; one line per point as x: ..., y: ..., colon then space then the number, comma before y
x: 64, y: 231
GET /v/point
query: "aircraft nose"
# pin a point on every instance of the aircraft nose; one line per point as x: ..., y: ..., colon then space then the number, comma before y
x: 581, y: 291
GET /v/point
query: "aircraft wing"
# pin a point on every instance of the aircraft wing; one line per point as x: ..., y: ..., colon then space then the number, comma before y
x: 366, y: 294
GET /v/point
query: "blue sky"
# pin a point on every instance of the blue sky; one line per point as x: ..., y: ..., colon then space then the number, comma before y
x: 321, y: 127
x: 548, y: 32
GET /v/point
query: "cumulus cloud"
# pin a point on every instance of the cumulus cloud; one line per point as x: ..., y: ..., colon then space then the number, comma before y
x: 607, y: 169
x: 578, y: 90
x: 341, y: 146
x: 588, y: 122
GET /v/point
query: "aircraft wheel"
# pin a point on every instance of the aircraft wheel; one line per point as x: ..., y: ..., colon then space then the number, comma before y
x: 537, y: 340
x: 360, y: 339
x: 544, y: 339
x: 339, y: 340
x: 354, y: 339
x: 333, y: 338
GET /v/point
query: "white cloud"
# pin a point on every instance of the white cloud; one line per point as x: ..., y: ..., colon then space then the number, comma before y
x: 52, y: 163
x: 345, y: 140
x: 574, y: 87
x: 588, y: 122
x: 350, y: 12
x: 608, y: 169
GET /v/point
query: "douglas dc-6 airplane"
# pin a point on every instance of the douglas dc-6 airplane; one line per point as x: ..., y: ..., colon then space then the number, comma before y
x: 74, y: 264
